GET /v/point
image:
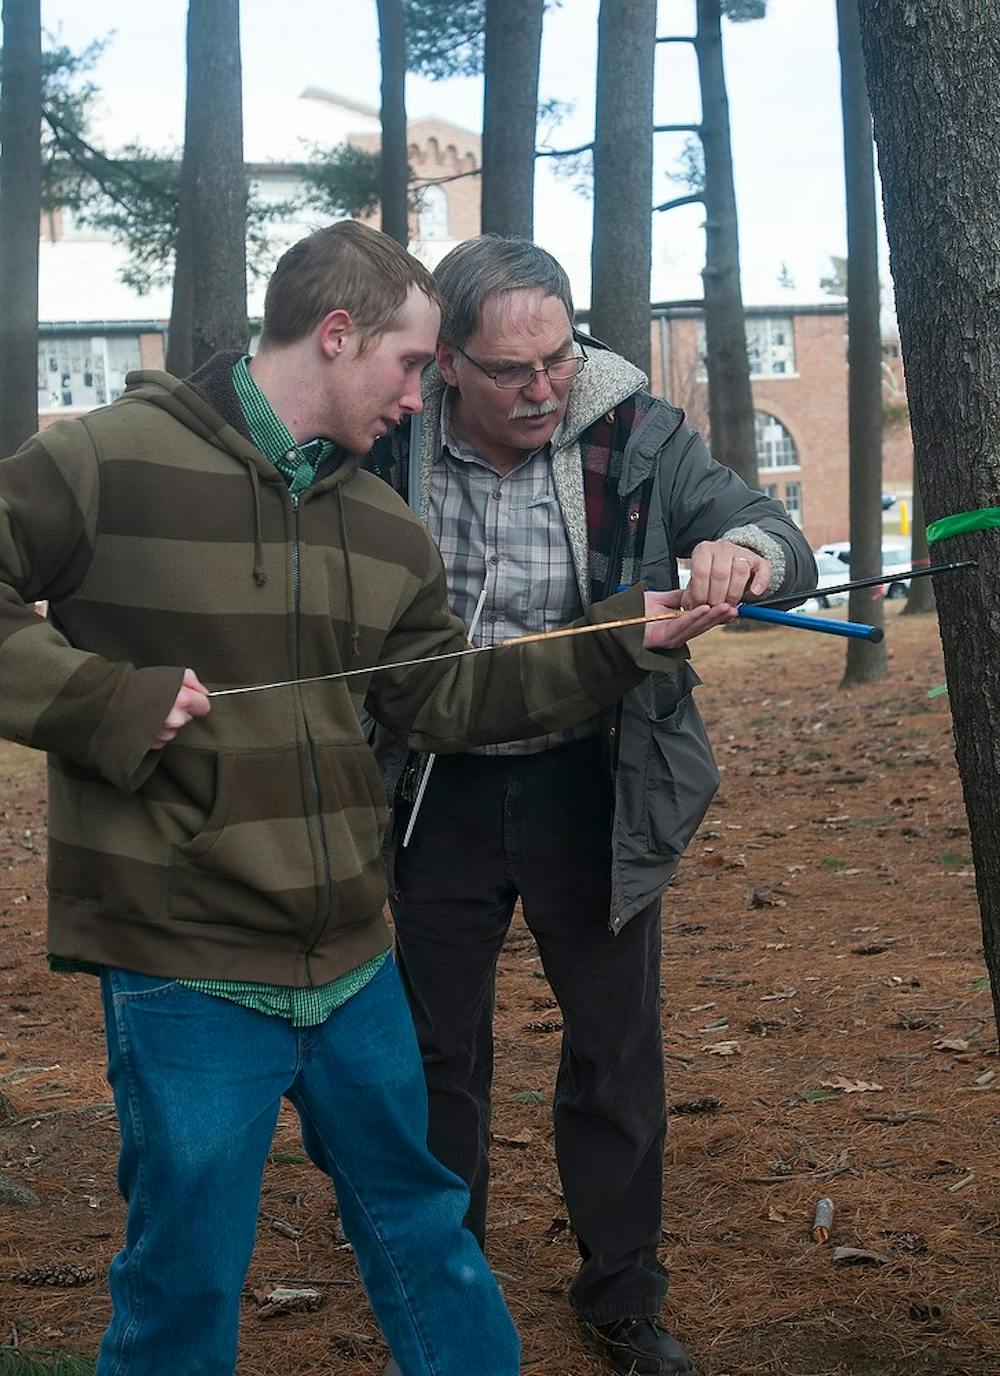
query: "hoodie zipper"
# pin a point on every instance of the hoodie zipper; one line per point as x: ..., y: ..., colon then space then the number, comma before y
x: 323, y: 911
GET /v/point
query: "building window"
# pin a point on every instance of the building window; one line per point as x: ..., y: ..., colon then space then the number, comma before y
x: 770, y: 490
x: 432, y: 216
x: 775, y: 446
x: 793, y: 501
x: 770, y: 345
x: 83, y: 371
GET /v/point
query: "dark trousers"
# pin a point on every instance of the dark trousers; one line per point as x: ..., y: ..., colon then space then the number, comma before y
x: 493, y: 828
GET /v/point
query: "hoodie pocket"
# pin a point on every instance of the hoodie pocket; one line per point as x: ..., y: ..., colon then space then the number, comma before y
x: 355, y: 814
x: 255, y: 862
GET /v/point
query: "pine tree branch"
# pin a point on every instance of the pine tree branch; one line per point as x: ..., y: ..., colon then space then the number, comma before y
x: 563, y: 152
x: 62, y: 133
x: 693, y: 199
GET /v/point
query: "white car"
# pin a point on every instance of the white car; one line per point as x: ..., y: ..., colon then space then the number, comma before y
x: 831, y: 573
x: 894, y: 557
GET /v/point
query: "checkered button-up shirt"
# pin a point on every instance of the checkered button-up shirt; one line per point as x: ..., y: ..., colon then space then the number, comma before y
x: 504, y: 533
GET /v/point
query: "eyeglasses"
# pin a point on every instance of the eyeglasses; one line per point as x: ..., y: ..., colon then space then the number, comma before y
x: 520, y: 375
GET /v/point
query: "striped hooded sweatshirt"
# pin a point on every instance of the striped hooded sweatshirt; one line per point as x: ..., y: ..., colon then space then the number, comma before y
x: 249, y: 848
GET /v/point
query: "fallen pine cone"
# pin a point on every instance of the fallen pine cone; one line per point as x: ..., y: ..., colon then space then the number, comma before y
x: 62, y: 1276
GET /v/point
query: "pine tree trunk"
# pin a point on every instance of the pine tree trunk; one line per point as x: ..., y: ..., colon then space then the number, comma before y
x: 510, y: 115
x: 866, y: 662
x: 20, y: 212
x: 932, y: 80
x: 215, y: 179
x: 393, y: 163
x: 621, y: 252
x: 920, y: 598
x: 730, y: 400
x: 180, y: 344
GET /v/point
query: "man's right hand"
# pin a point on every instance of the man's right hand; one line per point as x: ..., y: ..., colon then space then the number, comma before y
x: 192, y: 701
x: 670, y: 635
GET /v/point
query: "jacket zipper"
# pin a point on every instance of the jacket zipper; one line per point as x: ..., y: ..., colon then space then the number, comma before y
x: 323, y: 911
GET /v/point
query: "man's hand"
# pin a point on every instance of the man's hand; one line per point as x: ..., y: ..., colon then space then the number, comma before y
x: 669, y: 635
x: 192, y: 701
x: 724, y: 572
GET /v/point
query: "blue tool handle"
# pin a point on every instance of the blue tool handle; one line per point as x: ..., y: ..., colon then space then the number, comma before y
x: 854, y: 630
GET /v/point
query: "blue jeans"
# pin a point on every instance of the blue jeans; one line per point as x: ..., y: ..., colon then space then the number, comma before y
x: 197, y: 1083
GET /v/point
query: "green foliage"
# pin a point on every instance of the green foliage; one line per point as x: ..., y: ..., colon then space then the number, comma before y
x: 836, y: 282
x: 739, y: 11
x: 135, y: 198
x: 445, y: 37
x: 343, y: 180
x: 66, y: 101
x: 531, y: 1096
x: 689, y: 169
x: 41, y: 1361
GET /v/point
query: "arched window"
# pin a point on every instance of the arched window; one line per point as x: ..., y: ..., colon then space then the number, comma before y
x: 432, y: 217
x: 775, y: 446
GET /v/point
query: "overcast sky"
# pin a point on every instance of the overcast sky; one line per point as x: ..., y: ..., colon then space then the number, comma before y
x: 784, y: 96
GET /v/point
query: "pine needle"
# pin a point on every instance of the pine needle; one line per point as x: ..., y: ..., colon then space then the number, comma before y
x: 39, y: 1361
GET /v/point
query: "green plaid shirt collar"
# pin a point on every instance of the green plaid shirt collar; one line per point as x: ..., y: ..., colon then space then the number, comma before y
x: 298, y: 464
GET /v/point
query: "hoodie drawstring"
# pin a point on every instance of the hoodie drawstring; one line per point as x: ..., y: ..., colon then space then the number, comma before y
x: 259, y: 576
x: 351, y: 611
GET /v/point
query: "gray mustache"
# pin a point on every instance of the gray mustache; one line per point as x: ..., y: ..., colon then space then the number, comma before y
x: 539, y: 408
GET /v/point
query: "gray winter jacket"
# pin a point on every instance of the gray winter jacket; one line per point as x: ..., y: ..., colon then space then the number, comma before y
x: 664, y: 773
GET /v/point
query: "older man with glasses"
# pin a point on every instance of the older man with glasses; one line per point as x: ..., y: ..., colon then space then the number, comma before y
x: 549, y: 477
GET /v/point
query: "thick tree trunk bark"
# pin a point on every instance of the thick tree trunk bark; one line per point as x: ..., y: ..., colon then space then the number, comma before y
x: 214, y: 179
x: 20, y: 212
x: 623, y: 178
x: 866, y: 661
x: 932, y: 81
x: 393, y: 165
x: 510, y: 115
x: 730, y: 400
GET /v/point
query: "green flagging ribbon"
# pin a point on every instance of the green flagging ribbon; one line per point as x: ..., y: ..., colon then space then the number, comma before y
x: 987, y: 519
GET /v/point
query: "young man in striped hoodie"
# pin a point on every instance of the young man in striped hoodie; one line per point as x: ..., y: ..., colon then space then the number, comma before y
x: 216, y: 863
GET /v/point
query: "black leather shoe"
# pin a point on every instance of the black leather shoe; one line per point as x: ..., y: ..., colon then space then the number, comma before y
x: 636, y: 1347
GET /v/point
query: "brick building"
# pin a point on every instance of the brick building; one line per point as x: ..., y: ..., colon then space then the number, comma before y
x: 94, y: 328
x: 798, y: 374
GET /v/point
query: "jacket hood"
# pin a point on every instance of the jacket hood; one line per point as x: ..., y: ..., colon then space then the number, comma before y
x: 604, y: 384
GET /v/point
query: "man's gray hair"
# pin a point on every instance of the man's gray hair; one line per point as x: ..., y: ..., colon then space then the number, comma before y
x: 491, y: 265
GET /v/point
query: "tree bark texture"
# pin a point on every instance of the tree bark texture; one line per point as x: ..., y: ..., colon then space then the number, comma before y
x: 510, y: 115
x: 20, y: 212
x: 932, y: 73
x: 180, y: 342
x: 865, y: 660
x: 621, y: 253
x: 215, y: 178
x: 393, y: 164
x: 730, y: 400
